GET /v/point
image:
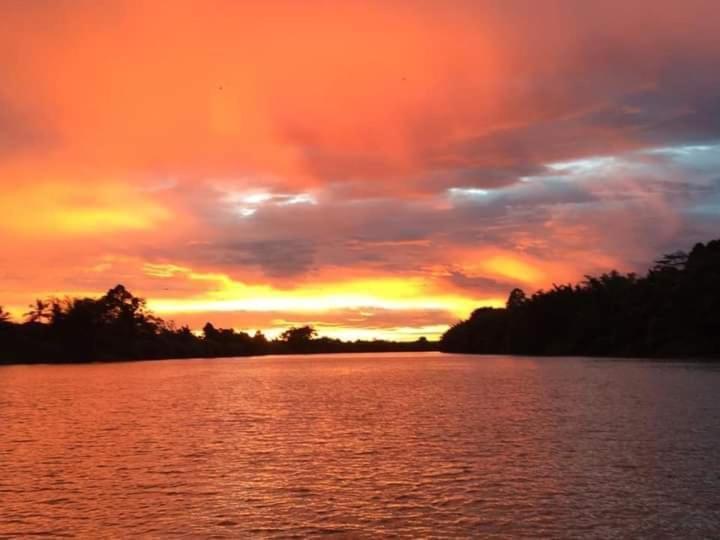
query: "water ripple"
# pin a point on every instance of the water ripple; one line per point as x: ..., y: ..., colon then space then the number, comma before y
x: 395, y: 446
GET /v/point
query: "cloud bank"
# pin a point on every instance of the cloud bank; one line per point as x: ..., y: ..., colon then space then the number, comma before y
x: 285, y: 150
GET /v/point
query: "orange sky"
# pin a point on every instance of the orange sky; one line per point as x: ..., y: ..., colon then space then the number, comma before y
x: 373, y: 168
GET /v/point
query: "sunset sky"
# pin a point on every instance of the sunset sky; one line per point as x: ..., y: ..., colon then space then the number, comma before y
x: 374, y: 168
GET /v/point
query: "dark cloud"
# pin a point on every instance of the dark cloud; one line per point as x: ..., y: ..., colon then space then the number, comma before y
x: 480, y: 284
x: 278, y: 258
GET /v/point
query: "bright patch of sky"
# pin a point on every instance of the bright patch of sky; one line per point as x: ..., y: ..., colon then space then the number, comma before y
x: 247, y: 203
x: 580, y: 166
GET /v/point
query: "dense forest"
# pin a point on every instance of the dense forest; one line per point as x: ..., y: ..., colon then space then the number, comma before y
x: 118, y: 326
x: 672, y: 311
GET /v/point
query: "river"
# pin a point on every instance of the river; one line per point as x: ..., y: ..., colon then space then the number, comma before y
x: 361, y: 446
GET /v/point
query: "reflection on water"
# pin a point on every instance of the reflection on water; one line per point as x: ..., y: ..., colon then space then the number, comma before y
x: 361, y: 446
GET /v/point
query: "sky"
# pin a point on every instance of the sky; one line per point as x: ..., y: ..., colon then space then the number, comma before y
x: 375, y: 169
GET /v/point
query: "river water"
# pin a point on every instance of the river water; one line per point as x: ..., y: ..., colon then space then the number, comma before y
x: 361, y: 446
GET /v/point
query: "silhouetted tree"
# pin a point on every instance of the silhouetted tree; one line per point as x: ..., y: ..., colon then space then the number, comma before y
x: 39, y: 311
x: 259, y: 343
x: 673, y: 310
x: 210, y: 332
x: 671, y: 261
x: 298, y: 338
x: 516, y: 299
x: 300, y: 334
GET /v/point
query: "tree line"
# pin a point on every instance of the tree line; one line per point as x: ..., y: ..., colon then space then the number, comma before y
x: 119, y: 326
x: 671, y: 311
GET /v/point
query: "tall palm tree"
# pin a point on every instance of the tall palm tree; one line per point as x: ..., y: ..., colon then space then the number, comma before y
x: 39, y: 311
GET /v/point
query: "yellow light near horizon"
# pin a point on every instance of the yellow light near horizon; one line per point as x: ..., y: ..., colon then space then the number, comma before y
x: 403, y: 333
x: 305, y: 302
x: 378, y: 293
x: 375, y: 287
x: 411, y: 294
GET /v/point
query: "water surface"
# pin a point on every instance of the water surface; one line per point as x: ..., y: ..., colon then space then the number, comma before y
x: 413, y: 445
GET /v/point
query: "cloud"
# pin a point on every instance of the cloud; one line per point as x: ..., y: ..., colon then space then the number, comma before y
x: 479, y: 283
x: 277, y: 257
x: 469, y: 145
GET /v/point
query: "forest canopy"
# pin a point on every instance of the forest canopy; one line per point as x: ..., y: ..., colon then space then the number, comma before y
x: 672, y: 311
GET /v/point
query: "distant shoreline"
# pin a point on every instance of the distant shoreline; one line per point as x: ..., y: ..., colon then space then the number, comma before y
x: 657, y: 359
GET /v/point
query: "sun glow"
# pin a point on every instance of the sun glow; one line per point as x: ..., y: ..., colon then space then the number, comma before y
x: 350, y: 308
x: 514, y: 268
x: 385, y: 294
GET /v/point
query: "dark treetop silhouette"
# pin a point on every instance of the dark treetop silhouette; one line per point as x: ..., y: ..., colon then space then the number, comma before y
x: 118, y: 326
x: 674, y: 310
